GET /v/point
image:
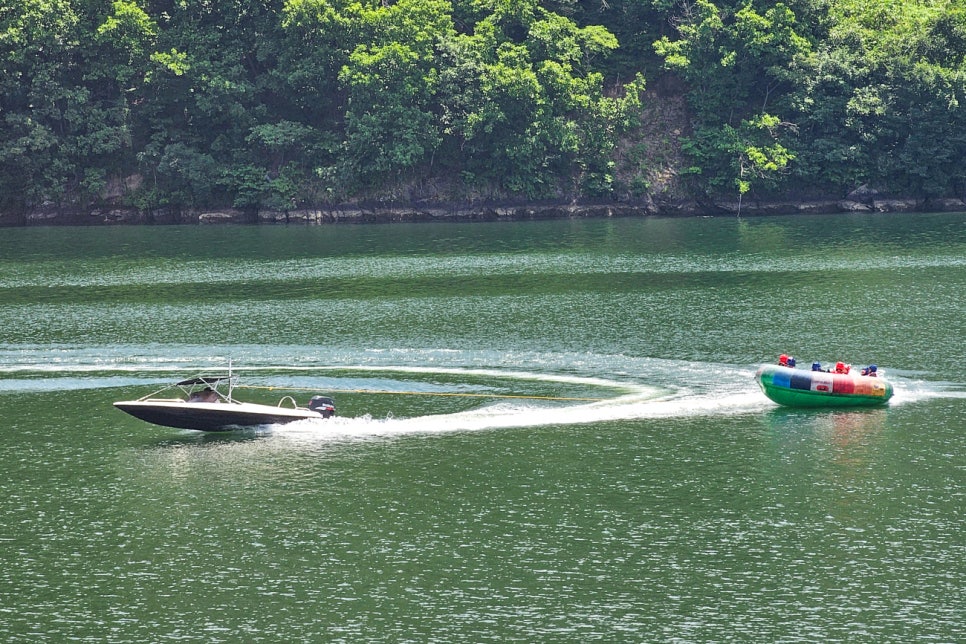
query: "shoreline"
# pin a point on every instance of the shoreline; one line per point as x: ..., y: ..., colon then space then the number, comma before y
x: 452, y: 212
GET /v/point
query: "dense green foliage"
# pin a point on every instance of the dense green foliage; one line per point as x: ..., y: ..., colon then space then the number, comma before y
x: 826, y: 94
x: 270, y: 103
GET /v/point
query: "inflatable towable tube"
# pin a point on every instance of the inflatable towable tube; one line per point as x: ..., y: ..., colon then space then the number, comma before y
x: 800, y: 388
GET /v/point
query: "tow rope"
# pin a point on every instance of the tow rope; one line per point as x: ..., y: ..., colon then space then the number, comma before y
x: 426, y: 393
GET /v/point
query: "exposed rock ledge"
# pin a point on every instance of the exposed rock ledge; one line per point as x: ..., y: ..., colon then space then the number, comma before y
x: 386, y: 213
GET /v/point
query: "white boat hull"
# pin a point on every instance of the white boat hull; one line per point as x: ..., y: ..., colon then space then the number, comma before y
x: 213, y: 416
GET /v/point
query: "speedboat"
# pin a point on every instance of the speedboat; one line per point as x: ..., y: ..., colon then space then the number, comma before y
x: 202, y: 406
x: 801, y: 388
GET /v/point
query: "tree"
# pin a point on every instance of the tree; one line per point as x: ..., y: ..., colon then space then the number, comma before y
x: 523, y: 107
x: 741, y: 64
x: 882, y: 101
x: 391, y: 81
x: 64, y: 117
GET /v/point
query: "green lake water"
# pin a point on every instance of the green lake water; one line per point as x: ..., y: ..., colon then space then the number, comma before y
x: 547, y: 432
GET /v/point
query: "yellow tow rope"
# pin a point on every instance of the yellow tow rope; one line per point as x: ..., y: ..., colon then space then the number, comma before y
x: 424, y: 393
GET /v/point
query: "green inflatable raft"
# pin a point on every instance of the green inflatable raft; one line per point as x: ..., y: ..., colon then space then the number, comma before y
x: 801, y: 388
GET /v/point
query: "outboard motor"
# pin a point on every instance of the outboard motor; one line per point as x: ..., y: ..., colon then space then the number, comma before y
x: 324, y: 405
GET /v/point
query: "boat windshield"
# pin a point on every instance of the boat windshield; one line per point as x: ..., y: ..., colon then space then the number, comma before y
x: 202, y: 380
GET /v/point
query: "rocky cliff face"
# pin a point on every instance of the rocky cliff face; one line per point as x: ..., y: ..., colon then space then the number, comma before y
x: 389, y: 213
x: 649, y: 166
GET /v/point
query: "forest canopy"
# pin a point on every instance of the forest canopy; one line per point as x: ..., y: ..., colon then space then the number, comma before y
x: 274, y: 104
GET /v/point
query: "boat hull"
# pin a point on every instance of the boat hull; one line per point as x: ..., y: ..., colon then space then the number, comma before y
x: 800, y: 388
x: 212, y: 417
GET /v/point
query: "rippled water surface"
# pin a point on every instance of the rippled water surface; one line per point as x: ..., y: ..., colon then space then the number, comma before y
x: 548, y: 431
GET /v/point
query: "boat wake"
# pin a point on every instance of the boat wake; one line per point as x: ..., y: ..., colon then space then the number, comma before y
x: 499, y: 390
x: 520, y: 415
x: 634, y: 401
